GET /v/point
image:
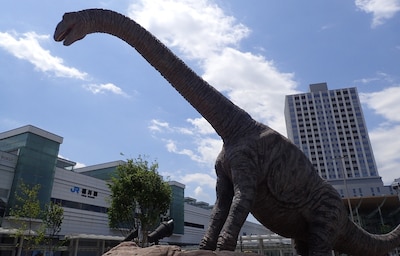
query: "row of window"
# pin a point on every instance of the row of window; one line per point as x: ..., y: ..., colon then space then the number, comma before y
x: 333, y: 175
x: 348, y: 116
x: 333, y: 93
x: 79, y: 206
x: 329, y: 100
x: 327, y: 103
x: 359, y: 191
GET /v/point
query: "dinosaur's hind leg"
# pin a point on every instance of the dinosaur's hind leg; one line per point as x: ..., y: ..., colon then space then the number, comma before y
x: 320, y: 240
x: 220, y: 211
x: 301, y: 247
x: 324, y: 223
x: 245, y: 182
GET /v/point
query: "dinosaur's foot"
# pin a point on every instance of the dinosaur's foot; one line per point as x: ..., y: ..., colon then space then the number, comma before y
x: 225, y: 244
x: 207, y: 244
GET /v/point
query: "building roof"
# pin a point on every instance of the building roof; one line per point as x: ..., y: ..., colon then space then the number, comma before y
x: 34, y: 130
x: 97, y: 167
x: 373, y: 202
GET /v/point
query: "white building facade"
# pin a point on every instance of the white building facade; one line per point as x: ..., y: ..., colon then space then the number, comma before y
x: 329, y: 127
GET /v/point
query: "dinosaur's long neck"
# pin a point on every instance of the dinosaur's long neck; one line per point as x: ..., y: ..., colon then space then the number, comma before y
x: 226, y: 118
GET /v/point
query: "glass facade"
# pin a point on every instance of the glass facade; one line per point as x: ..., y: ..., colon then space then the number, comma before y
x: 102, y: 173
x: 37, y: 157
x: 177, y: 207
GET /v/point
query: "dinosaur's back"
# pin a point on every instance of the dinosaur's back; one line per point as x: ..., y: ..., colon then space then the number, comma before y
x: 289, y: 176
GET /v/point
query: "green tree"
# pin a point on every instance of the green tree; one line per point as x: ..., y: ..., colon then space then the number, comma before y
x: 52, y: 220
x: 35, y: 226
x: 139, y: 196
x: 27, y: 215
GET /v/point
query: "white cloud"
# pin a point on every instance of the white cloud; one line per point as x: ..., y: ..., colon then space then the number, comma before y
x: 253, y: 83
x: 381, y: 10
x: 208, y: 149
x: 202, y: 195
x: 199, y: 178
x: 26, y: 46
x: 385, y: 102
x: 200, y: 186
x: 386, y: 151
x: 201, y: 126
x: 172, y: 147
x: 379, y: 78
x: 164, y: 127
x: 197, y: 185
x: 384, y: 138
x: 366, y: 80
x: 103, y: 88
x: 158, y: 126
x: 203, y: 146
x: 205, y: 150
x: 202, y: 32
x: 198, y: 28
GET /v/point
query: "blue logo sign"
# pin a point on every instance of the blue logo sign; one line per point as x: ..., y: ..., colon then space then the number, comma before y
x: 84, y: 192
x: 75, y: 189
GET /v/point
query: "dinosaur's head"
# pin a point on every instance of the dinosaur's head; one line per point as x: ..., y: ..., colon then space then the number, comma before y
x: 71, y: 28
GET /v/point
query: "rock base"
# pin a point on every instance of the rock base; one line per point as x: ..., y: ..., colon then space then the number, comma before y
x: 131, y: 249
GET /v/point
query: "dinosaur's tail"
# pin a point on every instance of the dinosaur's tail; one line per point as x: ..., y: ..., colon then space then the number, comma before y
x: 356, y: 241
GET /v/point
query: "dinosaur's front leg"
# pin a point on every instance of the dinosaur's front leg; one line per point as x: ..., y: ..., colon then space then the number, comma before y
x: 245, y: 183
x: 220, y: 211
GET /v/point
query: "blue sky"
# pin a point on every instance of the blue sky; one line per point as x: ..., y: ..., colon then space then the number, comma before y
x: 104, y: 99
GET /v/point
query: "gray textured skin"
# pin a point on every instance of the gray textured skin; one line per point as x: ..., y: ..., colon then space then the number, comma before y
x: 258, y: 170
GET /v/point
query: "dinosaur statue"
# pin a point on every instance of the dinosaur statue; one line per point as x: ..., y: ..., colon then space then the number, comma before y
x: 258, y: 170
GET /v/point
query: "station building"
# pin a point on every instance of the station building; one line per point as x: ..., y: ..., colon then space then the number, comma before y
x: 30, y: 155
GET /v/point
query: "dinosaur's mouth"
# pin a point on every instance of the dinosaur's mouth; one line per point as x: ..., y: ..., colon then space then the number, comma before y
x: 61, y: 35
x: 62, y: 31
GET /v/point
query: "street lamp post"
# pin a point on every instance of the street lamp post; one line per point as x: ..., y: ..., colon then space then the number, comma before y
x: 345, y: 185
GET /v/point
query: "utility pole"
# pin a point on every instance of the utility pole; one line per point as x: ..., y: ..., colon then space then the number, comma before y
x: 345, y: 184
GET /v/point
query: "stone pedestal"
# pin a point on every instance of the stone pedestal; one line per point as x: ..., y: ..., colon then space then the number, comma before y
x: 131, y: 249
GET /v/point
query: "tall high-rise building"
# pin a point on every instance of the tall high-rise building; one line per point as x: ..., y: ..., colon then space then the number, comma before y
x: 329, y: 127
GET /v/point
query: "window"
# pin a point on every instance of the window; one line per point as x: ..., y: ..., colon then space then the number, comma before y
x: 80, y: 206
x: 193, y: 225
